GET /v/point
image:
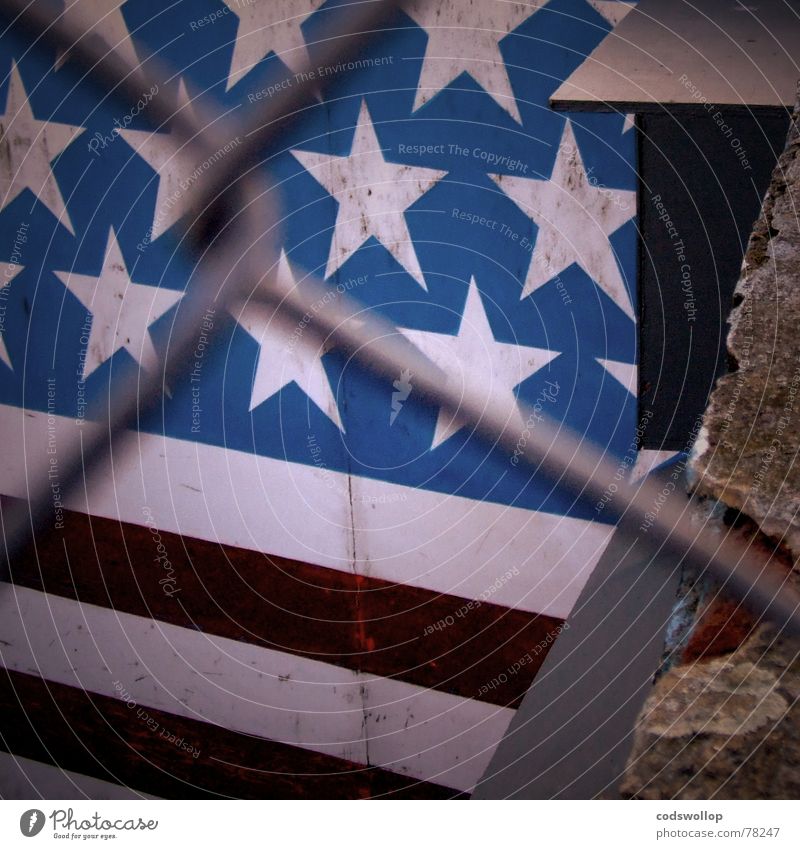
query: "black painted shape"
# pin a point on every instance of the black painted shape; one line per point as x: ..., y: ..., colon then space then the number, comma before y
x: 702, y: 180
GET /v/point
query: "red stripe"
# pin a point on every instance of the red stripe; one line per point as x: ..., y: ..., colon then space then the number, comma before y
x: 392, y: 630
x: 101, y: 737
x: 723, y: 624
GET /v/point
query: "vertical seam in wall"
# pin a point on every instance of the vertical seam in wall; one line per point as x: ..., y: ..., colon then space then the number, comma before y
x: 361, y: 640
x: 360, y: 635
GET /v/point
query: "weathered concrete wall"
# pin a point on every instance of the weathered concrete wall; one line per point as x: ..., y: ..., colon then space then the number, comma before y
x: 724, y: 721
x: 728, y: 727
x: 746, y: 455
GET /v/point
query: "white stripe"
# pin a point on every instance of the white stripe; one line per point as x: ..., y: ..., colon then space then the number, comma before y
x: 22, y: 778
x: 443, y: 543
x: 421, y: 733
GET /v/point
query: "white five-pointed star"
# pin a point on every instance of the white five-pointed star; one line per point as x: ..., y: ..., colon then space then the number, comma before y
x: 8, y: 271
x: 373, y: 195
x: 474, y: 355
x: 464, y: 36
x: 28, y: 147
x: 624, y: 373
x: 269, y: 26
x: 175, y: 168
x: 575, y: 215
x: 103, y: 18
x: 122, y: 311
x: 282, y: 356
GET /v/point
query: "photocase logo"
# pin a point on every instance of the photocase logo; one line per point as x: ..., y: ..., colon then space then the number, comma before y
x: 31, y: 822
x: 403, y: 389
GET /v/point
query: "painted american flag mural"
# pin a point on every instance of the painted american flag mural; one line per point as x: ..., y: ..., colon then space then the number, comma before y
x: 302, y: 581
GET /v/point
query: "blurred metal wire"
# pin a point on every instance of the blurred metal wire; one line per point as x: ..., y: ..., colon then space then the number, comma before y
x: 234, y: 226
x: 239, y: 196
